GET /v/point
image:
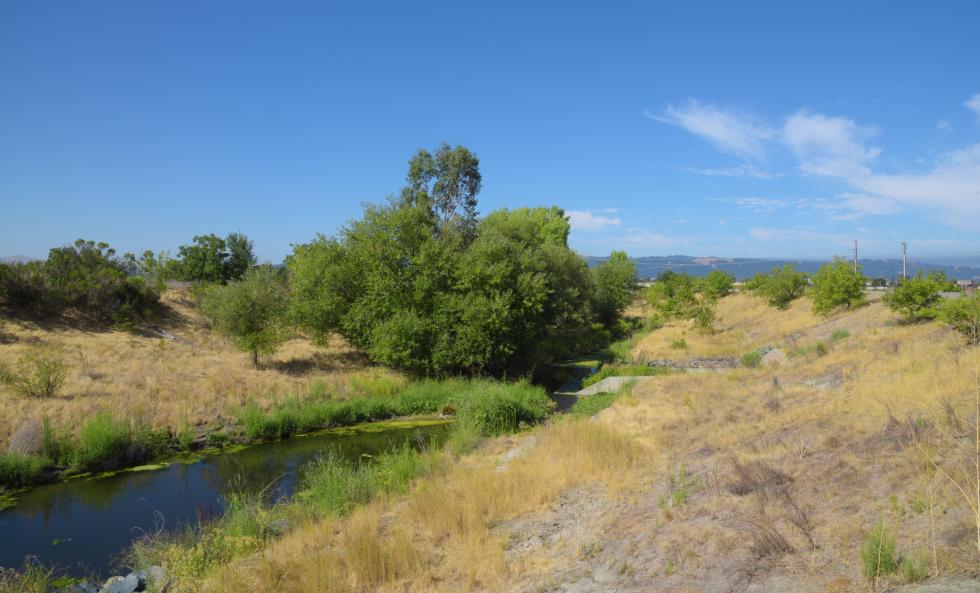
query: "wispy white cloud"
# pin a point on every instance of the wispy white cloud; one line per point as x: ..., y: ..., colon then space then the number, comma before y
x: 944, y: 125
x: 755, y: 203
x: 952, y: 187
x: 775, y: 234
x: 973, y: 104
x: 584, y: 220
x: 736, y: 171
x: 832, y: 146
x: 730, y: 132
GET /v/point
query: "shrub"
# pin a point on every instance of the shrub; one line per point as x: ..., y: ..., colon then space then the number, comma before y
x: 878, y: 555
x: 107, y: 441
x: 334, y: 484
x: 780, y: 287
x: 37, y: 373
x: 679, y: 344
x: 915, y: 298
x: 717, y: 284
x: 17, y: 469
x: 963, y: 315
x: 672, y: 295
x: 837, y: 285
x: 914, y: 569
x: 839, y: 334
x: 250, y: 311
x: 821, y: 349
x: 624, y: 370
x: 752, y: 359
x: 495, y: 408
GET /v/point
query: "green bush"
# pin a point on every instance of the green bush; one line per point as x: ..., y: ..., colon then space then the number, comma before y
x: 837, y: 285
x: 913, y: 569
x: 915, y: 298
x: 673, y: 295
x: 85, y: 277
x: 623, y: 370
x: 821, y: 349
x: 717, y: 284
x: 878, y: 552
x: 679, y: 344
x: 107, y: 441
x: 494, y: 408
x: 963, y: 315
x: 38, y: 373
x: 839, y: 334
x: 250, y: 311
x: 780, y: 287
x: 752, y: 359
x: 17, y: 469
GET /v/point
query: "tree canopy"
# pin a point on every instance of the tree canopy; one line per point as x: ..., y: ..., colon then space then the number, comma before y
x: 837, y: 285
x: 418, y: 295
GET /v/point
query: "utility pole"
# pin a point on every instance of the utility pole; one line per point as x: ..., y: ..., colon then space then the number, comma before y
x: 904, y: 260
x: 855, y: 256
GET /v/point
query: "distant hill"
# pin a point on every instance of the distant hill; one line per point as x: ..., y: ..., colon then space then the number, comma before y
x: 741, y: 268
x: 16, y: 259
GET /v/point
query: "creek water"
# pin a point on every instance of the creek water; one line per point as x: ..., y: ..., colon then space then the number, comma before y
x: 82, y: 527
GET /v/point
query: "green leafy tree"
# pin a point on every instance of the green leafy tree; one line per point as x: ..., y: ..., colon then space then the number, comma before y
x: 405, y: 287
x: 673, y: 294
x: 250, y: 311
x: 717, y: 284
x: 448, y: 180
x: 915, y: 297
x: 780, y: 287
x: 241, y: 256
x: 837, y: 285
x: 204, y: 260
x: 212, y: 259
x: 615, y: 282
x: 943, y: 281
x: 963, y: 315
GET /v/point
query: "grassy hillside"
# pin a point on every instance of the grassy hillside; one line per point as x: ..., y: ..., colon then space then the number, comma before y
x: 199, y: 380
x: 766, y: 479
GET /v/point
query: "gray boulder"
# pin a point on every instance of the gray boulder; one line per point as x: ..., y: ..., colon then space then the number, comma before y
x: 127, y: 584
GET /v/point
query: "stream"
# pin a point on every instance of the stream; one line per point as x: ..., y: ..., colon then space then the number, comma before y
x: 83, y: 526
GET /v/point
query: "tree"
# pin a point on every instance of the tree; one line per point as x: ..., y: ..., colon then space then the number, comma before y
x: 204, y: 261
x: 963, y: 315
x: 241, y: 256
x: 837, y: 285
x: 780, y: 287
x: 213, y: 259
x: 250, y: 311
x: 717, y: 284
x: 915, y: 297
x: 672, y: 294
x: 615, y: 281
x: 419, y: 296
x: 447, y: 181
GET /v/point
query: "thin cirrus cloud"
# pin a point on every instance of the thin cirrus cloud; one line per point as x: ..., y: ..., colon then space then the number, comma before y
x: 736, y: 171
x: 973, y: 104
x: 840, y: 148
x: 730, y: 132
x: 585, y: 220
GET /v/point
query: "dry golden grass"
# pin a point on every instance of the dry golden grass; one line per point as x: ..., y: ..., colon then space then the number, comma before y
x: 168, y: 383
x: 441, y: 536
x: 858, y: 430
x: 705, y: 481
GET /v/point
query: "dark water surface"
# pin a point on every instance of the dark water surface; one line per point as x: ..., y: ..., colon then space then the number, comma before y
x: 82, y: 526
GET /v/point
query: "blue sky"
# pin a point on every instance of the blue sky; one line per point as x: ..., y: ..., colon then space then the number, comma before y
x: 728, y: 128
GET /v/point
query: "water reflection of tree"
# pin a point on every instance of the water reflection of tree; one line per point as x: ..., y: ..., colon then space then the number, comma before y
x: 59, y: 500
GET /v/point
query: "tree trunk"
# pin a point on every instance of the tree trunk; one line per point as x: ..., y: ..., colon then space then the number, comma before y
x: 255, y: 358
